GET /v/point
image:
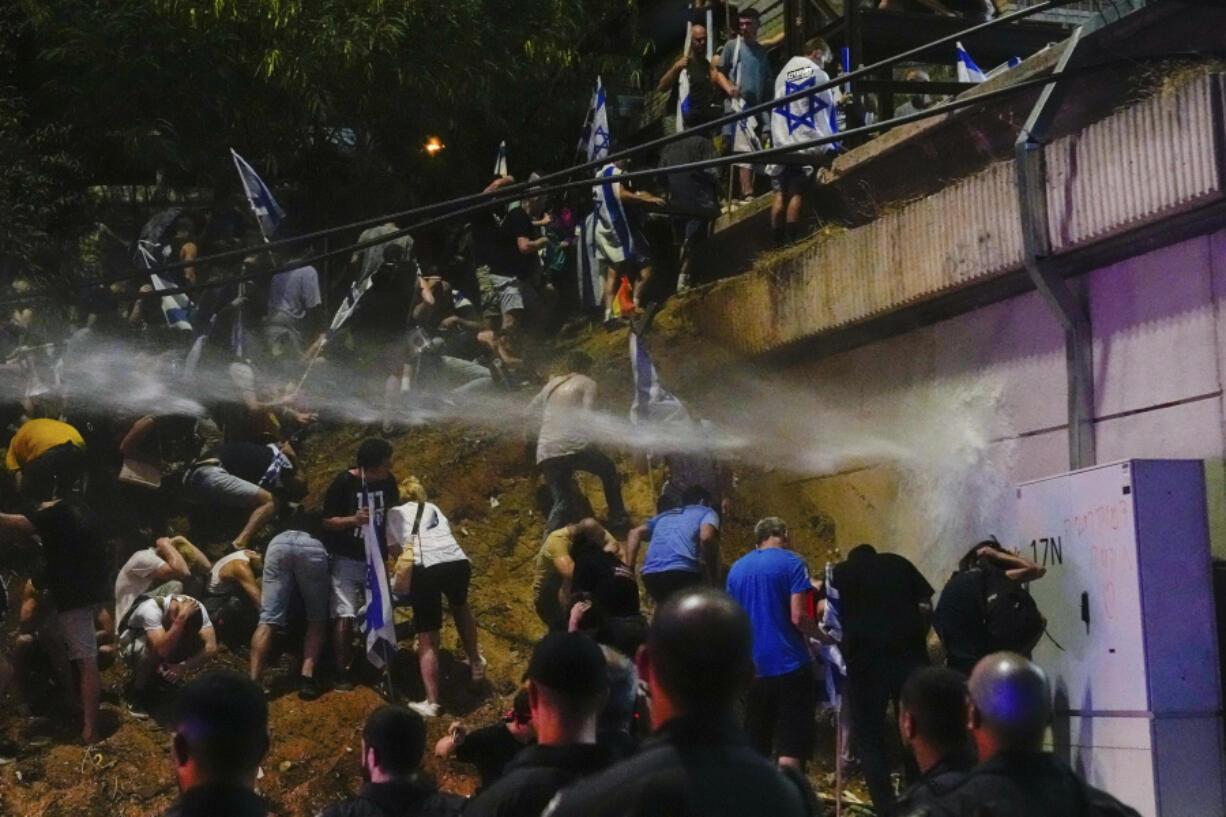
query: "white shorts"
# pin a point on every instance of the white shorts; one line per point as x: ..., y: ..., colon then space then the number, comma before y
x: 348, y: 587
x: 77, y: 630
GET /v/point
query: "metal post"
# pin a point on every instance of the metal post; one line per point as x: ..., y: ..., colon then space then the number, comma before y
x: 1067, y: 305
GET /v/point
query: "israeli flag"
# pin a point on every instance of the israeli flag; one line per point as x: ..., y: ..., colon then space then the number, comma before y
x: 968, y: 71
x: 598, y: 137
x: 683, y: 81
x: 280, y: 463
x: 611, y: 214
x: 379, y: 625
x: 267, y: 212
x: 652, y: 402
x: 745, y: 137
x: 345, y: 311
x: 591, y: 285
x: 500, y: 160
x: 176, y: 308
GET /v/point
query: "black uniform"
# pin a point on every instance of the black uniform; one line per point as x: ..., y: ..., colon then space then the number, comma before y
x: 1022, y: 784
x: 209, y: 801
x: 535, y: 776
x: 693, y: 766
x: 938, y: 781
x: 490, y: 749
x: 406, y: 799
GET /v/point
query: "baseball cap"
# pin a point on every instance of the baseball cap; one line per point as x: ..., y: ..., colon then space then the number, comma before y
x: 568, y: 662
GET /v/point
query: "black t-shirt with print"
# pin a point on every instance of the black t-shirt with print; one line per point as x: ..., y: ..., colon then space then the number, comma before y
x: 344, y: 496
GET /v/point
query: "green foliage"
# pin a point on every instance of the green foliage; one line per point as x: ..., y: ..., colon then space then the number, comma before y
x: 139, y: 90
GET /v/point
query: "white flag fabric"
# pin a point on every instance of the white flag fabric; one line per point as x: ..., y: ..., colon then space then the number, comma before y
x: 968, y: 71
x: 745, y: 135
x: 176, y: 308
x: 652, y: 402
x: 598, y: 137
x: 806, y: 118
x: 380, y: 626
x: 591, y: 282
x: 500, y: 160
x: 267, y: 212
x: 614, y: 237
x: 345, y: 311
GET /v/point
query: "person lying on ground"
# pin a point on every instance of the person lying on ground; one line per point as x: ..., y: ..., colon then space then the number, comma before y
x: 492, y: 747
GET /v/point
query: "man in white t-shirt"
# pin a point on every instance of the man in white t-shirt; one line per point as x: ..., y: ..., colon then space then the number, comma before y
x: 432, y: 565
x: 156, y: 571
x: 171, y: 636
x: 802, y: 120
x: 564, y: 444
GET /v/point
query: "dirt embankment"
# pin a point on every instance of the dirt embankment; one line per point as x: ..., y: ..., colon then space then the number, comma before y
x: 491, y: 493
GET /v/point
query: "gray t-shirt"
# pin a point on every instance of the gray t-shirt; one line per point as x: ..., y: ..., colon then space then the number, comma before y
x: 294, y: 292
x: 372, y: 257
x: 755, y: 74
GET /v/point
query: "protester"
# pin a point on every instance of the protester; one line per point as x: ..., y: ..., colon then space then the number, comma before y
x: 564, y: 446
x: 771, y: 583
x: 1010, y: 707
x: 801, y: 120
x: 604, y: 574
x: 983, y: 609
x: 621, y: 250
x: 160, y: 570
x: 502, y: 301
x: 615, y: 723
x: 493, y: 747
x: 745, y: 62
x: 48, y: 458
x: 431, y: 565
x: 295, y: 564
x: 357, y: 498
x: 213, y: 486
x: 567, y: 687
x: 697, y: 663
x: 683, y: 546
x: 553, y: 571
x: 915, y: 102
x: 295, y: 312
x: 695, y: 190
x: 393, y: 742
x: 367, y: 260
x: 521, y: 241
x: 884, y: 606
x: 237, y: 574
x: 932, y: 722
x: 74, y: 577
x: 456, y: 338
x: 163, y: 636
x: 220, y: 735
x: 707, y: 86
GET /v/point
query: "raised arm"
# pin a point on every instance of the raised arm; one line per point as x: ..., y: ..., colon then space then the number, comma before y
x: 176, y: 566
x: 1015, y: 567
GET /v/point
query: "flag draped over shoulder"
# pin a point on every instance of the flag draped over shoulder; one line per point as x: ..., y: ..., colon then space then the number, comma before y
x: 598, y: 130
x: 379, y: 626
x: 267, y: 212
x: 968, y: 71
x: 500, y: 160
x: 652, y: 402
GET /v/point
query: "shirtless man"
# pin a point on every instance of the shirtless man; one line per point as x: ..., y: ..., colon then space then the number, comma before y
x: 563, y: 446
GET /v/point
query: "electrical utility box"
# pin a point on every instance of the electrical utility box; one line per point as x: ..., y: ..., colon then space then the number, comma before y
x: 1131, y: 648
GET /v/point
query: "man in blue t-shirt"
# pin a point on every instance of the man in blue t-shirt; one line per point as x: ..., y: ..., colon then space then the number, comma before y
x: 683, y: 546
x: 771, y: 582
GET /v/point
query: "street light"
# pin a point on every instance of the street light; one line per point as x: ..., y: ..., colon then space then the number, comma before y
x: 433, y: 145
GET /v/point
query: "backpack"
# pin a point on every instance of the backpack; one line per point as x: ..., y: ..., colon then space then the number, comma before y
x: 1010, y: 615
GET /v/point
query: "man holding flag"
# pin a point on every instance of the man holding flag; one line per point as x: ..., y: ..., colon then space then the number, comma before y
x: 745, y: 62
x: 697, y: 79
x: 356, y: 539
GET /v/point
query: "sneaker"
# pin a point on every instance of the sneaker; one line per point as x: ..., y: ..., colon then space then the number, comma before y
x: 478, y: 669
x: 344, y: 681
x: 137, y: 701
x: 309, y: 688
x: 426, y: 709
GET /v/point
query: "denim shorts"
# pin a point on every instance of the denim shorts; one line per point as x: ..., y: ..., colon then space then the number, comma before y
x: 294, y: 559
x: 214, y: 485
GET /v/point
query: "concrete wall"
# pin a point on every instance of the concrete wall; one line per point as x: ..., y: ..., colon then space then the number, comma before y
x: 989, y: 395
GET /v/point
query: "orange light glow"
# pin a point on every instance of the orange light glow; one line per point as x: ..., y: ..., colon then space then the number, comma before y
x: 433, y: 145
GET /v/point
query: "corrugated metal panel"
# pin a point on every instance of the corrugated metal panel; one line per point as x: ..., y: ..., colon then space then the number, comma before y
x: 1153, y: 158
x: 968, y: 231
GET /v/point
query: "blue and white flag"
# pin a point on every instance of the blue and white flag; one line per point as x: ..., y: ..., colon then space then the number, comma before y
x: 591, y: 283
x: 280, y: 463
x: 683, y: 81
x: 968, y: 71
x: 176, y: 308
x: 617, y: 242
x: 598, y: 136
x: 345, y: 311
x: 500, y: 160
x: 267, y: 212
x: 745, y: 137
x: 379, y: 625
x: 652, y: 402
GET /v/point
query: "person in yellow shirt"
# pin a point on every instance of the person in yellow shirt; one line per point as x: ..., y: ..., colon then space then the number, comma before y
x: 48, y: 457
x: 554, y: 569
